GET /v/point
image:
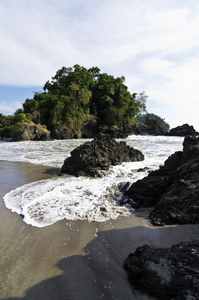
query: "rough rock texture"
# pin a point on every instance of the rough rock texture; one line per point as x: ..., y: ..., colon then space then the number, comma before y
x: 183, y: 130
x: 173, y: 189
x: 95, y: 157
x: 171, y: 273
x: 32, y: 133
x: 62, y: 133
x: 117, y: 134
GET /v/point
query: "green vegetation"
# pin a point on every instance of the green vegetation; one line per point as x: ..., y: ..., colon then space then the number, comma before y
x: 10, y: 124
x: 76, y: 97
x: 152, y: 124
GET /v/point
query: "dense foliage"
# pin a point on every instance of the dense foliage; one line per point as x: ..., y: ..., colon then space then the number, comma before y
x: 152, y: 124
x: 76, y: 97
x: 10, y: 124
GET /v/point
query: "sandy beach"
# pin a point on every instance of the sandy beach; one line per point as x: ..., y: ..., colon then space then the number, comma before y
x: 71, y: 260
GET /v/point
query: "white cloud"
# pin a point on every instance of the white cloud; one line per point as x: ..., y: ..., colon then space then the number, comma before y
x: 154, y: 44
x: 156, y: 65
x: 8, y: 108
x: 179, y: 85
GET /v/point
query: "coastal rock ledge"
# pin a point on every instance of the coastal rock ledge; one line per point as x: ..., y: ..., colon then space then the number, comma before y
x: 172, y: 190
x: 170, y: 273
x: 95, y: 158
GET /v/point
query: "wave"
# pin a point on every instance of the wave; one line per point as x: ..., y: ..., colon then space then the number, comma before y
x: 45, y: 202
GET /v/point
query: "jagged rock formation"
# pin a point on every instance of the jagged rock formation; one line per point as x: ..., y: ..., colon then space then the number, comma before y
x: 173, y: 189
x: 183, y: 130
x: 166, y: 273
x: 94, y: 158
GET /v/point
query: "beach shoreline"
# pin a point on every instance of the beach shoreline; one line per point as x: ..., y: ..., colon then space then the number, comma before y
x: 71, y: 259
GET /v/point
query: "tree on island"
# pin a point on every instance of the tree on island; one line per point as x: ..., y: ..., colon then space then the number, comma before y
x: 152, y: 124
x: 77, y: 97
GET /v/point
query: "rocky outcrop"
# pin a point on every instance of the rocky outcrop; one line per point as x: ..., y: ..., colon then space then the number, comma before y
x: 183, y: 130
x: 173, y: 189
x: 62, y: 133
x: 94, y: 158
x: 117, y: 134
x: 32, y: 133
x: 166, y: 273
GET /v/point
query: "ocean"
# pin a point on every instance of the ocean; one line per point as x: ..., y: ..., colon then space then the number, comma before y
x: 45, y: 202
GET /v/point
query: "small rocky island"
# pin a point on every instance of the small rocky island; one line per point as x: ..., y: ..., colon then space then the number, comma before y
x: 95, y: 158
x: 170, y: 273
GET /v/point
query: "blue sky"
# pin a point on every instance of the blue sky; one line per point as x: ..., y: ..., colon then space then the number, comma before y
x: 154, y: 44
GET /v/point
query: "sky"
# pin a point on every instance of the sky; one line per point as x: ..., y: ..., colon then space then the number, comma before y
x: 153, y: 44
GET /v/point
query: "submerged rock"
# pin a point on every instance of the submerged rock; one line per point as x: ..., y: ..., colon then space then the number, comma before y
x: 94, y: 158
x: 173, y: 189
x: 166, y: 273
x: 32, y: 133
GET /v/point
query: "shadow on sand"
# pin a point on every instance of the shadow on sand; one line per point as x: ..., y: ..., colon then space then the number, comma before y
x: 99, y: 274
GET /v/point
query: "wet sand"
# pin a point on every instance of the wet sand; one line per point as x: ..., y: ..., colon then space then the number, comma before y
x: 73, y: 260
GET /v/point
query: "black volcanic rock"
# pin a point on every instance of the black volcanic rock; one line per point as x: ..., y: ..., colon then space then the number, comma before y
x: 94, y: 158
x: 171, y: 273
x: 183, y: 130
x: 173, y: 189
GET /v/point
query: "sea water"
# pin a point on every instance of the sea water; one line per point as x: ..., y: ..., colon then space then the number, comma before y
x: 43, y: 203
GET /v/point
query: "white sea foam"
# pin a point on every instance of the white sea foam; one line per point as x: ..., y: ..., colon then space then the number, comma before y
x: 48, y: 153
x: 45, y: 202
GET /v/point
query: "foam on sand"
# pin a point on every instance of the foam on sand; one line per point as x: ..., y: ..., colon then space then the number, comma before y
x: 45, y: 202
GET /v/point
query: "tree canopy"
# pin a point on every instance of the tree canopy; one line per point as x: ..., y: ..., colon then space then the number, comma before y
x: 76, y: 96
x: 152, y: 124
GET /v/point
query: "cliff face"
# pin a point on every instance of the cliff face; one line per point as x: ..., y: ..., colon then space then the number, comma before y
x: 63, y: 132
